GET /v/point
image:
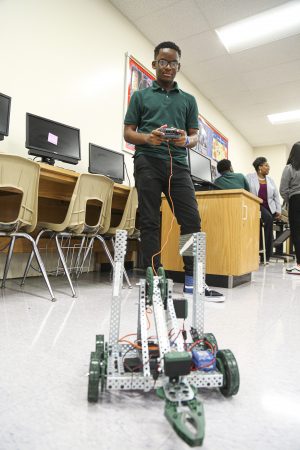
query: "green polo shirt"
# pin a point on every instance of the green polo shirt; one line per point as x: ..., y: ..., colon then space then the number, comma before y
x: 153, y: 107
x: 231, y: 180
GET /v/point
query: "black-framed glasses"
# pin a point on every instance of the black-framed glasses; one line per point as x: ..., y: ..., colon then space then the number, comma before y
x: 163, y: 63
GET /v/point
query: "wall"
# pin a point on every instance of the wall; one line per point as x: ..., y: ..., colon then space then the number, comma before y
x: 64, y: 60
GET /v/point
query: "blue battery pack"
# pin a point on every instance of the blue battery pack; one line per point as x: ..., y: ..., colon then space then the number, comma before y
x: 203, y: 360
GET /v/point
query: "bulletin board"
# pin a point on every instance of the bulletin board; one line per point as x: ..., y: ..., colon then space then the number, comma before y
x: 137, y: 78
x: 211, y: 142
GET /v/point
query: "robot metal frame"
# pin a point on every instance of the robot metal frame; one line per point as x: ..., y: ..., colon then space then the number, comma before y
x: 175, y: 368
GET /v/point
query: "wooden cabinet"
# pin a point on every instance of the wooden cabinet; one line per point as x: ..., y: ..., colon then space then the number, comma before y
x: 230, y: 219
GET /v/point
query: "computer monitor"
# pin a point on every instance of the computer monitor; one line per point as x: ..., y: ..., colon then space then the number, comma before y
x: 52, y: 140
x: 106, y: 162
x: 5, y: 102
x: 200, y: 167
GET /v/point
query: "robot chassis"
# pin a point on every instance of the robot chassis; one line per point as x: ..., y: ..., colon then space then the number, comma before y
x: 173, y: 367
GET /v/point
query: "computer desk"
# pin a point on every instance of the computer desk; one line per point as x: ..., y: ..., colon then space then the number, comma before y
x: 55, y: 190
x: 231, y: 221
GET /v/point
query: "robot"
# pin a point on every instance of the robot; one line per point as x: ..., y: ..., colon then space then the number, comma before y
x: 175, y: 362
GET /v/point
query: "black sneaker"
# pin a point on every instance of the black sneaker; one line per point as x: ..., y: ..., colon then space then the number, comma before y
x: 210, y: 295
x: 213, y: 296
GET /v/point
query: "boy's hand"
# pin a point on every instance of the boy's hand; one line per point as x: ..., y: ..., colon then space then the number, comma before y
x: 181, y: 140
x: 156, y: 137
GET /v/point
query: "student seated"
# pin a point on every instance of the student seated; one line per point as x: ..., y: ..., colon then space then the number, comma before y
x: 229, y: 179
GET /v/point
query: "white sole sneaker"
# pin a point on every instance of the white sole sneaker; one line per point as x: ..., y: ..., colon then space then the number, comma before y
x: 219, y: 299
x: 293, y: 271
x: 211, y: 299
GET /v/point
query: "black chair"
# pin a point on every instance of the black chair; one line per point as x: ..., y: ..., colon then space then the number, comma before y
x: 282, y: 233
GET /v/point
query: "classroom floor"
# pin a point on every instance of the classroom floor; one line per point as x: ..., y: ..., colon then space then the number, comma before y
x: 44, y: 360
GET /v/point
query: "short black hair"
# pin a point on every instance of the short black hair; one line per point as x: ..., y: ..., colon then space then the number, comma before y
x: 223, y: 166
x: 259, y: 162
x: 167, y: 44
x: 294, y: 158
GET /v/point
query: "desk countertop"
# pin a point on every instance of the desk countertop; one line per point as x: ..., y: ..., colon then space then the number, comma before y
x: 226, y: 192
x: 67, y: 177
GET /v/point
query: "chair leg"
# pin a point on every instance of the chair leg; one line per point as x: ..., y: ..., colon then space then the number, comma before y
x: 126, y: 278
x: 111, y: 258
x: 31, y: 257
x: 108, y: 254
x: 40, y: 262
x: 8, y: 259
x: 264, y: 244
x: 86, y: 254
x: 76, y: 265
x: 65, y: 243
x: 63, y: 261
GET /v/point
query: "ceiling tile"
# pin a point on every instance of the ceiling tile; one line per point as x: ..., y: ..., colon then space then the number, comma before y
x: 135, y: 9
x: 212, y: 69
x: 214, y: 88
x: 271, y: 54
x: 272, y: 76
x: 201, y: 47
x: 166, y: 23
x: 279, y: 98
x: 240, y: 99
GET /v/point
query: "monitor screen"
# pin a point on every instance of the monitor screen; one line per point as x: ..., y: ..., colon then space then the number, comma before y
x: 200, y: 167
x: 5, y: 102
x: 106, y: 162
x: 52, y: 140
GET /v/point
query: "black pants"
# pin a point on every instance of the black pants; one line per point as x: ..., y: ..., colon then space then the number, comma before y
x: 151, y: 179
x: 267, y: 219
x: 294, y: 219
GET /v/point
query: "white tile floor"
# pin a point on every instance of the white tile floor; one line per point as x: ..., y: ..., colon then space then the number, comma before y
x: 44, y: 360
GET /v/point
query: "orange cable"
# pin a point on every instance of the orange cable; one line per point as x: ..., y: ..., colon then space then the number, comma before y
x: 126, y: 335
x: 139, y: 347
x: 148, y: 311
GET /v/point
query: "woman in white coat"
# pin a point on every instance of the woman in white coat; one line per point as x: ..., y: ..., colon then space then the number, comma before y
x: 264, y: 187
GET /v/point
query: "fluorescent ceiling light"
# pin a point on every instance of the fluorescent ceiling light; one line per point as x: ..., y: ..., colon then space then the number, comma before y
x: 285, y: 117
x: 272, y: 25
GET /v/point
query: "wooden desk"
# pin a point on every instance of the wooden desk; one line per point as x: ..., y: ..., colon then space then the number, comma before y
x: 230, y: 219
x: 58, y: 183
x: 55, y: 190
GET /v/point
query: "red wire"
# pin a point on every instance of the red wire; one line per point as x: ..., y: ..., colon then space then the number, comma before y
x: 212, y: 347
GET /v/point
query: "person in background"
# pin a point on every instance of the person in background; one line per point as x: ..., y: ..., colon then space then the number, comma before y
x: 290, y: 192
x: 264, y: 187
x: 229, y: 179
x: 149, y: 111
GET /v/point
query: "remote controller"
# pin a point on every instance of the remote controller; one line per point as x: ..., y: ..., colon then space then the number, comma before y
x: 170, y: 133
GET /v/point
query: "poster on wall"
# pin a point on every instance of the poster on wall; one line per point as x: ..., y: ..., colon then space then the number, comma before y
x: 211, y: 142
x: 137, y: 78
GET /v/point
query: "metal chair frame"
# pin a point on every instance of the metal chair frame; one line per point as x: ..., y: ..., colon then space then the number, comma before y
x: 21, y: 175
x: 88, y: 187
x: 127, y: 223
